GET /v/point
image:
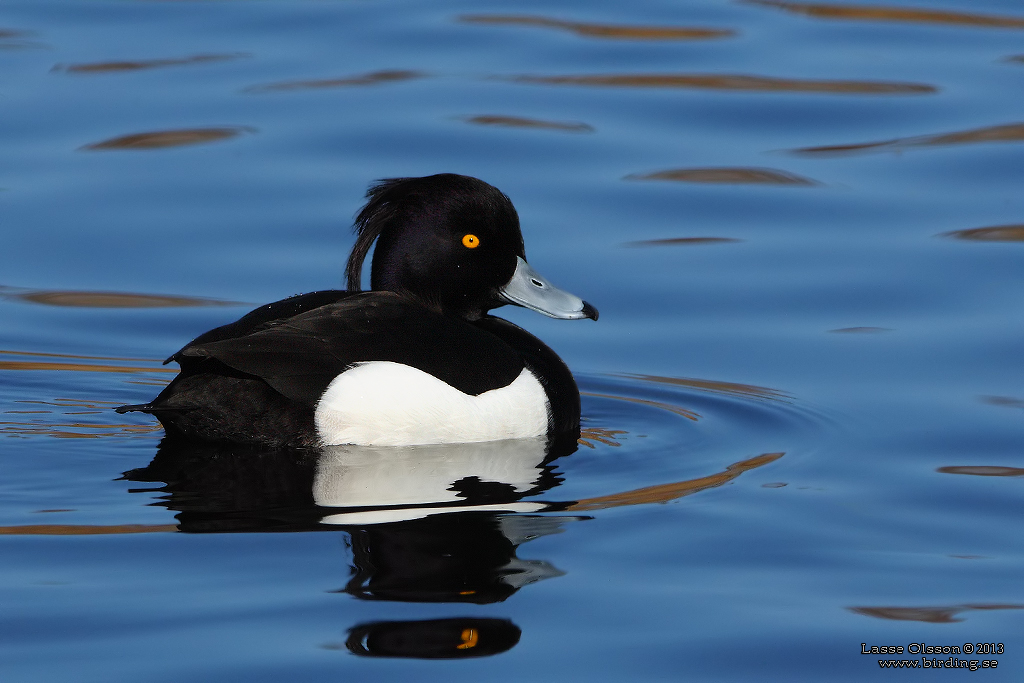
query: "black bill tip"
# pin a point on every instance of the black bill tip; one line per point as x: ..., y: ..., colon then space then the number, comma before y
x: 589, y: 311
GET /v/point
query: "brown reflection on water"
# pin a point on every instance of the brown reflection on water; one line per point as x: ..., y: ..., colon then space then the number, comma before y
x: 728, y: 388
x: 930, y: 615
x: 161, y: 139
x: 738, y: 82
x: 1004, y: 401
x: 84, y: 529
x: 62, y: 427
x: 14, y: 39
x: 609, y: 31
x: 76, y: 430
x: 995, y: 233
x: 732, y: 176
x: 74, y: 299
x: 860, y: 330
x: 77, y: 367
x: 522, y: 122
x: 589, y: 436
x: 883, y: 13
x: 678, y: 410
x: 983, y: 470
x: 373, y: 78
x: 681, y: 241
x: 1013, y: 132
x: 41, y: 354
x: 141, y: 64
x: 663, y: 493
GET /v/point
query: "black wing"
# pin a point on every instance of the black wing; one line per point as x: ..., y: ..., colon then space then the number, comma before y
x: 266, y: 316
x: 299, y: 357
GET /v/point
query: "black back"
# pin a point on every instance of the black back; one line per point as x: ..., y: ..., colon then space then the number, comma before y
x: 266, y: 316
x: 300, y: 356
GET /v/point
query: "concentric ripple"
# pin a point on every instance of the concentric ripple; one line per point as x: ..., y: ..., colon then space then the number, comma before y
x: 652, y: 431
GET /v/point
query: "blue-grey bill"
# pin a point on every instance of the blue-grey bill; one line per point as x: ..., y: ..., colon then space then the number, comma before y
x: 530, y: 289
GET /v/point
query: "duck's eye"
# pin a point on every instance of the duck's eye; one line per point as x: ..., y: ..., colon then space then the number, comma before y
x: 470, y: 241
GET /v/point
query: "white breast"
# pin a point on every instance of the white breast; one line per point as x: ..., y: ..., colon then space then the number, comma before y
x: 380, y: 403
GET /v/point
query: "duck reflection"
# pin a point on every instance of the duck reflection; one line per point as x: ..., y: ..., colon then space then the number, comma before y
x: 446, y: 491
x: 455, y: 558
x: 381, y: 484
x: 427, y: 524
x: 227, y: 487
x: 432, y: 524
x: 434, y: 638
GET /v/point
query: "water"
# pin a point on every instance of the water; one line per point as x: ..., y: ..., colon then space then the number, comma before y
x: 802, y: 402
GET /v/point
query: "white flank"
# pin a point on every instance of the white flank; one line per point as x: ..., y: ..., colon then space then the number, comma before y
x: 380, y: 403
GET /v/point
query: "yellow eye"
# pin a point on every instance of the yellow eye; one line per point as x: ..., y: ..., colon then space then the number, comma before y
x: 470, y: 241
x: 469, y: 639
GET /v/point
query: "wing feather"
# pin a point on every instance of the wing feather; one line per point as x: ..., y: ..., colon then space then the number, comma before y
x: 301, y: 356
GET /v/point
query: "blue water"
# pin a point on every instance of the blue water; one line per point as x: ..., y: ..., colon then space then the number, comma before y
x: 802, y: 402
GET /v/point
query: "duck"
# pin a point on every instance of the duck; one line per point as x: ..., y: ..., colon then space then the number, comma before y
x: 417, y: 359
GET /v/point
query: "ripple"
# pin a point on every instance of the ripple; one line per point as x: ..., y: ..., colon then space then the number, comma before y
x: 608, y: 31
x: 84, y: 529
x: 930, y: 615
x: 663, y: 493
x: 81, y: 299
x: 75, y: 430
x: 897, y: 14
x: 860, y: 330
x: 522, y: 122
x: 718, y: 387
x: 64, y: 418
x: 673, y: 437
x: 738, y: 82
x: 726, y: 175
x: 75, y: 367
x: 995, y: 233
x: 983, y: 470
x: 591, y: 436
x: 661, y: 405
x: 682, y: 241
x: 14, y: 39
x: 65, y: 366
x: 373, y: 78
x: 168, y: 138
x: 141, y: 64
x: 1004, y: 401
x: 1013, y: 132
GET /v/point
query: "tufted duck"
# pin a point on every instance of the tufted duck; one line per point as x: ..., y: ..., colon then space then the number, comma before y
x: 415, y: 360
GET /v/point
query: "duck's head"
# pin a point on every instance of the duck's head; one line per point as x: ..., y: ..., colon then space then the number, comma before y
x: 453, y: 243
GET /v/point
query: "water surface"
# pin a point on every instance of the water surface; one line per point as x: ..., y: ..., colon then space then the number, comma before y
x: 802, y: 403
